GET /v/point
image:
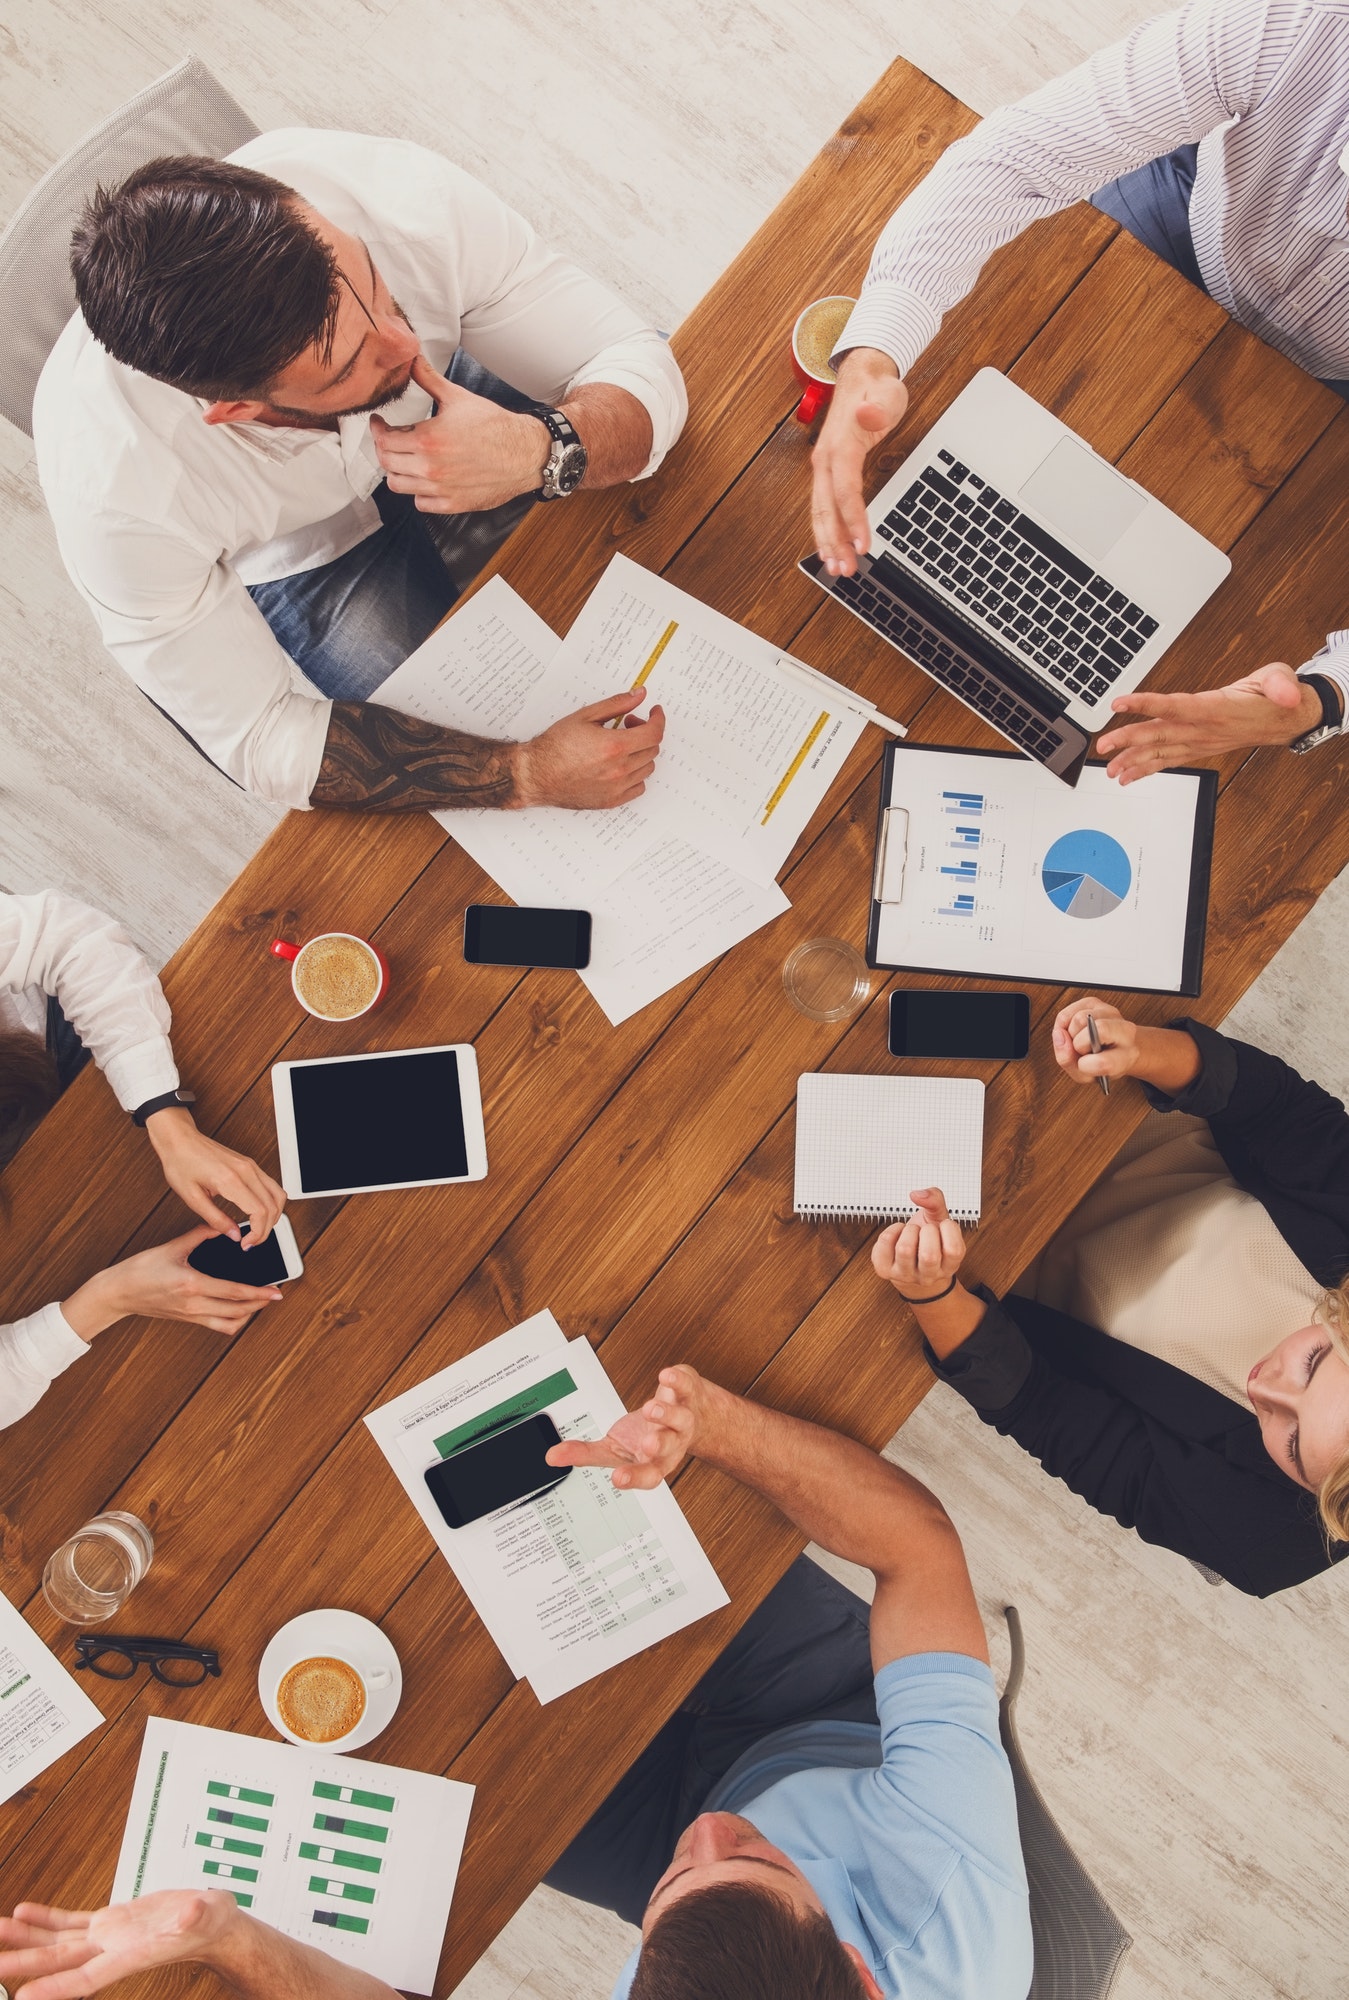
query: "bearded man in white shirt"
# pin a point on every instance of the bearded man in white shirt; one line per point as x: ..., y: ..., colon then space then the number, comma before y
x: 1219, y: 136
x: 252, y: 538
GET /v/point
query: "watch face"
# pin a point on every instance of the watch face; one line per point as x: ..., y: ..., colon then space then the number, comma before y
x: 570, y: 468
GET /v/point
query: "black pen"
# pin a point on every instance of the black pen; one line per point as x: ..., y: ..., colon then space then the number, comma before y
x: 1104, y: 1081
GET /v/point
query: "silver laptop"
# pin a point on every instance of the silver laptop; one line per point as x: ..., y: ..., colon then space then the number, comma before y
x: 1024, y: 573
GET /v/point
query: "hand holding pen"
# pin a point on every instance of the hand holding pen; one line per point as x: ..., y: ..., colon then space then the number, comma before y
x: 1093, y: 1042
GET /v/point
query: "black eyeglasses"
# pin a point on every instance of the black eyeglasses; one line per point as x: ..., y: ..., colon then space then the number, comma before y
x: 169, y: 1660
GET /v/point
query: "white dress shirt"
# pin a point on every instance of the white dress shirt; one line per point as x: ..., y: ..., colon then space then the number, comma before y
x: 53, y: 945
x: 1261, y: 85
x: 163, y: 519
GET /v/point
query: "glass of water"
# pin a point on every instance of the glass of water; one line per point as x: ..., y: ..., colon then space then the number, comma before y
x: 92, y: 1575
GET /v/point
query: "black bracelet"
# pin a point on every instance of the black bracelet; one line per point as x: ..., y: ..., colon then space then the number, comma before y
x: 931, y: 1301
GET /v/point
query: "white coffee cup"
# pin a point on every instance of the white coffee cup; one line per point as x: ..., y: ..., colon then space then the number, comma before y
x: 372, y: 1680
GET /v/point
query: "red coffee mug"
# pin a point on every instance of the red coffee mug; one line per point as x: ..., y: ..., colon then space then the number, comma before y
x: 282, y: 948
x: 819, y: 388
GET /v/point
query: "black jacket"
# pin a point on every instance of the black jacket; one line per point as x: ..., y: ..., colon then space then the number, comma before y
x: 1139, y: 1439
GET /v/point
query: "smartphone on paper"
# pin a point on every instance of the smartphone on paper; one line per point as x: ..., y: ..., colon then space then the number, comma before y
x: 506, y: 1465
x: 276, y: 1258
x: 501, y: 934
x: 928, y: 1023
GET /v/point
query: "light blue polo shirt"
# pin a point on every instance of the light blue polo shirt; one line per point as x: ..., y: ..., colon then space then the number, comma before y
x: 907, y: 1833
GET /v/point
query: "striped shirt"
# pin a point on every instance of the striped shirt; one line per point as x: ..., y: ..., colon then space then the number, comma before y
x: 1261, y: 85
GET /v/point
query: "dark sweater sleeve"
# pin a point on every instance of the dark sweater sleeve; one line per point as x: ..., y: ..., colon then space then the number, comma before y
x: 1286, y: 1141
x: 1178, y: 1493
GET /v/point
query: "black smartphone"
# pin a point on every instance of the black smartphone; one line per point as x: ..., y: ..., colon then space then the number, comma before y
x: 275, y: 1259
x: 506, y: 1465
x: 500, y: 934
x: 934, y: 1022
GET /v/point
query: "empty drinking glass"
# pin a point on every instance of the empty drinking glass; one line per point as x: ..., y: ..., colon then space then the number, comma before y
x: 92, y: 1575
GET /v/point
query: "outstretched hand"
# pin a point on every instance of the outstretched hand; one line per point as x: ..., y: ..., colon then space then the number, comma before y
x: 1269, y: 706
x: 50, y: 1954
x: 648, y: 1445
x: 869, y: 400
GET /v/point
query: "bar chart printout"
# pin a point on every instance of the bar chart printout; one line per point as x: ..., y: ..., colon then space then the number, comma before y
x: 326, y: 1849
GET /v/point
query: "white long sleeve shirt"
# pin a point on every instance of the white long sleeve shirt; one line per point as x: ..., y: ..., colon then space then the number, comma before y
x: 52, y: 945
x: 1261, y: 85
x: 163, y: 519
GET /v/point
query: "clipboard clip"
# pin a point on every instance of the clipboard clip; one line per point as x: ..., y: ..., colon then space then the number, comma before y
x: 892, y: 855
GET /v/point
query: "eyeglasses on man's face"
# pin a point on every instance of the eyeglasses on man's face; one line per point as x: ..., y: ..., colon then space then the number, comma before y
x: 169, y: 1660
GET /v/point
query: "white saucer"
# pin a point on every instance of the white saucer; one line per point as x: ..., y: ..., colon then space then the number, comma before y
x: 349, y: 1637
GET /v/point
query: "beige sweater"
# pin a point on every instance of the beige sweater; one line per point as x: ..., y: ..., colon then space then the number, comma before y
x: 1168, y: 1254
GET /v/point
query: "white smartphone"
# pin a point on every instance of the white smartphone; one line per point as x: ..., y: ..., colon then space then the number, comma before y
x: 359, y: 1124
x: 271, y: 1262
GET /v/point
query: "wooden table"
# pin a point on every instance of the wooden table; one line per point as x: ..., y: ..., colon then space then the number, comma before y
x: 640, y: 1179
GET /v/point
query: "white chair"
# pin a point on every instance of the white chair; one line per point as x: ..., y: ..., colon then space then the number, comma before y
x: 186, y: 111
x: 1079, y: 1941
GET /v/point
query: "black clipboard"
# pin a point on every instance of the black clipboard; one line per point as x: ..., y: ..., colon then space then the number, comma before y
x: 1196, y: 916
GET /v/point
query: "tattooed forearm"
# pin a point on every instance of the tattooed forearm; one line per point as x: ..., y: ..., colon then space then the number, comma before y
x: 379, y: 760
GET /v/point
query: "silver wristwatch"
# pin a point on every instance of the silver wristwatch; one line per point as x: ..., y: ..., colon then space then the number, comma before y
x: 566, y: 466
x: 1332, y: 715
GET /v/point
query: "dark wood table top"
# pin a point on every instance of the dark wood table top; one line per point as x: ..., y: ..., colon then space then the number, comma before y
x: 640, y: 1179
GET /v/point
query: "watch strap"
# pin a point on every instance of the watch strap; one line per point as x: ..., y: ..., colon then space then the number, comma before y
x: 1332, y: 702
x: 166, y: 1101
x: 559, y: 429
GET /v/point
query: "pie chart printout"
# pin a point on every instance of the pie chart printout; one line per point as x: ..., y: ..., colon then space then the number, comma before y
x: 1086, y: 874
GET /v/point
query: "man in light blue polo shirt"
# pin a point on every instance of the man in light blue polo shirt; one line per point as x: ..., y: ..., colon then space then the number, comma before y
x: 835, y: 1793
x: 830, y: 1814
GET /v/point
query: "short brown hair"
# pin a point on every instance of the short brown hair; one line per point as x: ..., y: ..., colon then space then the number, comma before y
x: 739, y: 1942
x: 1333, y: 1492
x: 29, y: 1086
x: 204, y: 275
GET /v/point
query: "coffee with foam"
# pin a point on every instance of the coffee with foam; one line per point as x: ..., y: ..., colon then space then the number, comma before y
x: 321, y: 1699
x: 817, y: 335
x: 337, y: 977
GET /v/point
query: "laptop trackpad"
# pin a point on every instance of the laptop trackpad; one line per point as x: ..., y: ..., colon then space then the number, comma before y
x: 1072, y: 491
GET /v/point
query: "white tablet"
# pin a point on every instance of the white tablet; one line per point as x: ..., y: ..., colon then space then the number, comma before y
x: 355, y: 1124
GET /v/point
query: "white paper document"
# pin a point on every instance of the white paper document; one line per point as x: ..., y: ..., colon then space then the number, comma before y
x: 43, y: 1710
x: 358, y: 1859
x: 680, y: 875
x: 750, y: 748
x: 1001, y: 869
x: 582, y: 1577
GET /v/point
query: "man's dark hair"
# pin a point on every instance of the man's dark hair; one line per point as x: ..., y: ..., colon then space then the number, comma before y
x: 204, y: 275
x: 739, y: 1942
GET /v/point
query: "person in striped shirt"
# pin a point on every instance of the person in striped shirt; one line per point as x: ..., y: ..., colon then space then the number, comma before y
x: 1218, y: 135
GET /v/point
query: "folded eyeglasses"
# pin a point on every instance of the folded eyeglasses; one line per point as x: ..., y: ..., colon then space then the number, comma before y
x: 169, y: 1660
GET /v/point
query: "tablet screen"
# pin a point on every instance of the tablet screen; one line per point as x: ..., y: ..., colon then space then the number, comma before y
x: 379, y: 1121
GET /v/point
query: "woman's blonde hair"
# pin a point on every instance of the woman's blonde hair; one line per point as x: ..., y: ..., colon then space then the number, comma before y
x: 1333, y: 1493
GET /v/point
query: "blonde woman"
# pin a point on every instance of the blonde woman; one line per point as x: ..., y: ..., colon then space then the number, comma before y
x: 1179, y: 1355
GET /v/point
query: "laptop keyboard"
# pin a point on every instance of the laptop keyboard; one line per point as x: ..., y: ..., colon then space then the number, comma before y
x: 1042, y: 600
x: 950, y: 665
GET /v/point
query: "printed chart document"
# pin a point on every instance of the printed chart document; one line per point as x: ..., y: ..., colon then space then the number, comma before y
x: 330, y: 1850
x: 751, y: 744
x: 43, y: 1710
x: 581, y: 1578
x: 706, y: 845
x: 991, y: 865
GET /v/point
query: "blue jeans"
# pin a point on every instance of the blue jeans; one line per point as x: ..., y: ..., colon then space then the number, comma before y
x: 1153, y: 204
x: 349, y: 623
x: 805, y: 1654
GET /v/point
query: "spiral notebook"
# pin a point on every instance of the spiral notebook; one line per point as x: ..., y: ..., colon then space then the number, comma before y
x: 862, y: 1142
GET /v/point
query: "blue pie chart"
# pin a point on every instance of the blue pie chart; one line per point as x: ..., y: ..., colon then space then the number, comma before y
x: 1086, y: 873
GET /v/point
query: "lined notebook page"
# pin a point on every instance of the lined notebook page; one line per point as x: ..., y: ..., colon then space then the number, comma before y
x: 862, y: 1142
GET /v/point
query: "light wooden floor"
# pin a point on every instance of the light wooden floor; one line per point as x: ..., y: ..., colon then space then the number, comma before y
x: 1194, y: 1744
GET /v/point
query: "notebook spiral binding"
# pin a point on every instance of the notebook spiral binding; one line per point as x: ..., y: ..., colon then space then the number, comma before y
x: 969, y: 1217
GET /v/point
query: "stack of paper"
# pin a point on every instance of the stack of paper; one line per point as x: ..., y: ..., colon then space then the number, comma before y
x: 753, y: 741
x: 357, y: 1859
x: 581, y: 1578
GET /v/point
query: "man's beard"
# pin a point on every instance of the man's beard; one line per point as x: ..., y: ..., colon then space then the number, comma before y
x: 390, y: 389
